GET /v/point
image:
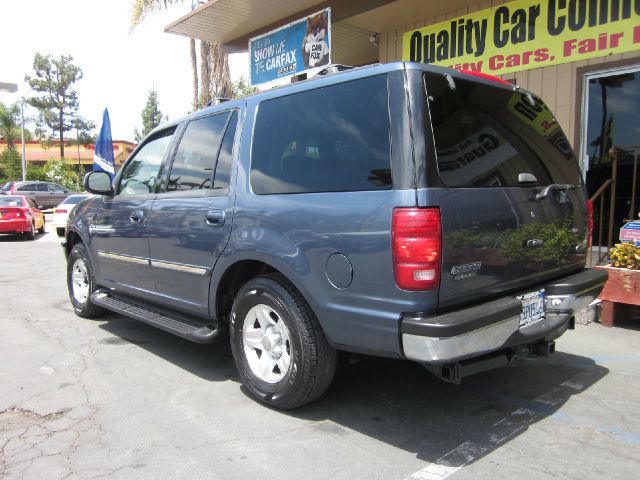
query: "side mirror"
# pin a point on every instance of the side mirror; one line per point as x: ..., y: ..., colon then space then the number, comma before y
x: 98, y: 183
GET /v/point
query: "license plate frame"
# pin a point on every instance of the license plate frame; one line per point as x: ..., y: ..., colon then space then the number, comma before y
x: 532, y: 307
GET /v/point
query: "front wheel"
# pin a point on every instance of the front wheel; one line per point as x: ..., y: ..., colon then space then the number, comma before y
x: 81, y: 283
x: 281, y: 353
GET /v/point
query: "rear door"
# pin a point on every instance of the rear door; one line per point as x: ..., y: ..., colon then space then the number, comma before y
x: 190, y: 221
x: 510, y: 193
x: 56, y: 194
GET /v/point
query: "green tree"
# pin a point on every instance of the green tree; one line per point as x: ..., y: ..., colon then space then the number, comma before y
x: 10, y: 165
x: 10, y: 123
x: 215, y: 79
x: 151, y: 116
x: 57, y: 170
x: 56, y: 99
x: 36, y: 172
x: 241, y: 88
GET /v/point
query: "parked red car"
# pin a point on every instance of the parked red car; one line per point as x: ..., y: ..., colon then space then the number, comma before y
x: 20, y: 214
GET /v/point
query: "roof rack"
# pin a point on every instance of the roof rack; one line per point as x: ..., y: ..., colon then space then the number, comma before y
x: 217, y: 101
x: 333, y: 68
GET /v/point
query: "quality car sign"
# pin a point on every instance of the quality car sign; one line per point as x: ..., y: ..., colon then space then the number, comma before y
x: 291, y: 49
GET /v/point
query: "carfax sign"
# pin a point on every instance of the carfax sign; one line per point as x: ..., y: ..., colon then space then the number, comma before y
x: 292, y: 49
x: 630, y: 232
x: 526, y: 34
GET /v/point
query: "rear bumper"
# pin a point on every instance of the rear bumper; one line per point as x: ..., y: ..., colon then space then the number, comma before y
x: 15, y: 226
x: 480, y: 329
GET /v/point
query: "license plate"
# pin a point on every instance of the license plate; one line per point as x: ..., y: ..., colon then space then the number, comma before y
x: 532, y: 307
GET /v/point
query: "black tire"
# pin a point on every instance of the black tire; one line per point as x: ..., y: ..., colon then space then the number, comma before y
x: 83, y: 308
x: 41, y: 229
x: 31, y: 234
x: 60, y: 231
x: 312, y: 360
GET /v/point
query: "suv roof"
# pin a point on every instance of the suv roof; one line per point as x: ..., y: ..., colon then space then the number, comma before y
x: 333, y: 78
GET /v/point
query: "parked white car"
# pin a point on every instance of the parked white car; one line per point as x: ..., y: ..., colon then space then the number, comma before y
x: 61, y: 212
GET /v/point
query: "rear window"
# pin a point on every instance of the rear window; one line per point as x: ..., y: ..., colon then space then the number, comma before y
x: 487, y: 136
x: 6, y: 201
x: 74, y: 199
x: 330, y: 139
x: 7, y: 187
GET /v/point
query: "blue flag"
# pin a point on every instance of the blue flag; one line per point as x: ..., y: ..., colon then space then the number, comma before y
x: 103, y: 157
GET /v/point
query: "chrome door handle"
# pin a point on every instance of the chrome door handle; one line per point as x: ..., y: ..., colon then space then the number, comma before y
x: 215, y: 218
x: 136, y: 216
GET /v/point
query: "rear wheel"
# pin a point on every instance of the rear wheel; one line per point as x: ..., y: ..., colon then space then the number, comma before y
x: 281, y: 353
x: 41, y: 229
x: 81, y: 283
x: 60, y: 231
x: 31, y: 234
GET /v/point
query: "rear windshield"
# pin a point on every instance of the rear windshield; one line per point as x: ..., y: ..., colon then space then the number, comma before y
x: 7, y: 201
x: 487, y: 136
x: 74, y: 199
x: 7, y: 187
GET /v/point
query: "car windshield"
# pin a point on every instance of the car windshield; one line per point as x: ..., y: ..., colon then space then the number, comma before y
x: 10, y: 201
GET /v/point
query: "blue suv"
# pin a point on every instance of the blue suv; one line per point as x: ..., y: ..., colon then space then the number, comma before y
x: 398, y: 210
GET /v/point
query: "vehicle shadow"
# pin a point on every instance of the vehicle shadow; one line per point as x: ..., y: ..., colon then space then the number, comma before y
x: 401, y: 404
x: 212, y: 362
x: 17, y: 237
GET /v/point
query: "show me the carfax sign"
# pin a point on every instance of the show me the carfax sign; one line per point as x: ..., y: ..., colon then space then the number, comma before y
x: 292, y: 49
x: 526, y: 34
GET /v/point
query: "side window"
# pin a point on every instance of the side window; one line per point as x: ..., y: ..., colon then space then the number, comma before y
x: 223, y: 167
x: 483, y: 140
x: 42, y: 187
x: 27, y: 187
x: 55, y: 188
x: 330, y: 139
x: 140, y: 174
x: 195, y: 158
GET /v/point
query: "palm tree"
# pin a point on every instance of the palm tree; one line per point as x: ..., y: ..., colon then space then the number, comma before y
x: 215, y: 79
x: 10, y: 123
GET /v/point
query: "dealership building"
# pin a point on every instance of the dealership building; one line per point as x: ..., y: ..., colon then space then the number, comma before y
x: 582, y: 57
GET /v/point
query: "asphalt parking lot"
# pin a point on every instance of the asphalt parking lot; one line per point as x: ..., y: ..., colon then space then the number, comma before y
x: 117, y: 399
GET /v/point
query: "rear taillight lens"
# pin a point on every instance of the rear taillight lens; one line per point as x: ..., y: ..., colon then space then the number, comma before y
x: 589, y: 222
x: 60, y: 210
x: 416, y: 248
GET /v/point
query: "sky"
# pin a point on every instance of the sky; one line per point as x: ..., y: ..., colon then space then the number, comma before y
x: 119, y: 68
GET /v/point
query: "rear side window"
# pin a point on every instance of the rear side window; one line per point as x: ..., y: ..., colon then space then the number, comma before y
x: 27, y: 187
x: 487, y: 136
x: 223, y: 167
x: 195, y: 158
x: 325, y: 140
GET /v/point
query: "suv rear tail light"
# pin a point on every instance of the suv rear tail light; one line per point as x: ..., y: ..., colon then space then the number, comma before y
x: 416, y: 248
x: 486, y: 76
x: 59, y: 210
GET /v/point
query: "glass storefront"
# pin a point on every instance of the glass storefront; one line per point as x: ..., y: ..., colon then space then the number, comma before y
x: 612, y: 130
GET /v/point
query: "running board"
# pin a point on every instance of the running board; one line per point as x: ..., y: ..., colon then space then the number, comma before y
x: 181, y: 327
